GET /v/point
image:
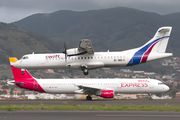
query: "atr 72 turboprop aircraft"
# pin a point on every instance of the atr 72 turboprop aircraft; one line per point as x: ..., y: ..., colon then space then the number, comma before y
x: 84, y: 58
x: 105, y: 88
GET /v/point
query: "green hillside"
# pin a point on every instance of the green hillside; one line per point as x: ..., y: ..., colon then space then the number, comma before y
x: 15, y: 42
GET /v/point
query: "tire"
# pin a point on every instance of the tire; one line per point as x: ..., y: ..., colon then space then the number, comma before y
x: 85, y: 72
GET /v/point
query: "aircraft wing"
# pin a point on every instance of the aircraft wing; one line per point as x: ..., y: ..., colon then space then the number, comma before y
x: 85, y: 45
x: 88, y: 89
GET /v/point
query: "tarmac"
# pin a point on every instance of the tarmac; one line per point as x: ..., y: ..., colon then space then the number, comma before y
x: 95, y: 101
x: 89, y: 115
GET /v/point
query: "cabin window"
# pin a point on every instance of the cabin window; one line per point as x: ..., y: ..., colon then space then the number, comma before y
x: 91, y: 57
x: 160, y: 83
x: 81, y: 57
x: 25, y: 57
x: 78, y: 57
x: 84, y: 57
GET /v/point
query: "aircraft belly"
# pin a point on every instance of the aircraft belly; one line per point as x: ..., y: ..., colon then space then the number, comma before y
x: 117, y: 64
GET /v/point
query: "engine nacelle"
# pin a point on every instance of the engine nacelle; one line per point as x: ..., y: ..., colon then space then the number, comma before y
x: 72, y: 51
x: 107, y: 94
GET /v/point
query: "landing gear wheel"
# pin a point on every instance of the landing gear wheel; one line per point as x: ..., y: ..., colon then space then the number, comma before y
x: 150, y: 98
x: 88, y: 98
x: 85, y: 71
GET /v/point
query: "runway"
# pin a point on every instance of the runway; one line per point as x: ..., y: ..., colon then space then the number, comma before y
x: 102, y: 101
x: 88, y: 115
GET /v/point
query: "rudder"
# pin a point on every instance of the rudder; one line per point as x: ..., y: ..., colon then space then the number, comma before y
x: 17, y: 73
x: 160, y: 40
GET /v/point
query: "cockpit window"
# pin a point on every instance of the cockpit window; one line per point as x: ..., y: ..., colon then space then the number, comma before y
x: 160, y: 83
x: 24, y: 57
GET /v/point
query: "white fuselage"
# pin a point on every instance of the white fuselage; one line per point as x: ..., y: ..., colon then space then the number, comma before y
x: 94, y: 61
x: 71, y: 86
x: 118, y: 85
x: 84, y: 58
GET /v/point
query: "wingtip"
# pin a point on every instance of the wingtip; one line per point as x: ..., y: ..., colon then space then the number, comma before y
x: 13, y: 59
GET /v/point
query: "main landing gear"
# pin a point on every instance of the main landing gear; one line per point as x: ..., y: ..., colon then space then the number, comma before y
x: 150, y: 98
x: 88, y: 97
x: 85, y: 70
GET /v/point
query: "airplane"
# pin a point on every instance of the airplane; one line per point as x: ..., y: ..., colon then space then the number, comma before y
x: 84, y: 58
x: 105, y: 88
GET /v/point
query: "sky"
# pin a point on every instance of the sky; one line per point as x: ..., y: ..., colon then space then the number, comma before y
x: 14, y: 10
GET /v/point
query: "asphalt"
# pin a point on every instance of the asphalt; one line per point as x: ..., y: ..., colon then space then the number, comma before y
x: 102, y: 101
x: 88, y: 115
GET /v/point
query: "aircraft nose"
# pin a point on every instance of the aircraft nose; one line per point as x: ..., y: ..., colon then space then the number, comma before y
x: 166, y: 88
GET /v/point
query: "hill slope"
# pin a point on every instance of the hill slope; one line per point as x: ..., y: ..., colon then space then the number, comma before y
x: 15, y: 42
x: 114, y: 29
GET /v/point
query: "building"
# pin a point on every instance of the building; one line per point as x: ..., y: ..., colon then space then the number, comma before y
x: 178, y: 95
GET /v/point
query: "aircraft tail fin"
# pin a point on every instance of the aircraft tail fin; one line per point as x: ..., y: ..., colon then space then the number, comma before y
x: 153, y: 49
x: 17, y: 73
x: 159, y: 42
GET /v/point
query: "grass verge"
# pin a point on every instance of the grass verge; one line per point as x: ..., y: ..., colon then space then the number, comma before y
x: 92, y: 107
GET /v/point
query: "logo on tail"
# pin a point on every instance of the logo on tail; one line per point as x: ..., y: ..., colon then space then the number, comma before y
x: 25, y: 80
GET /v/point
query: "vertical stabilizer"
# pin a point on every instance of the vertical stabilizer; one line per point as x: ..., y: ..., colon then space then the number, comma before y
x: 159, y: 42
x: 17, y: 73
x: 153, y: 48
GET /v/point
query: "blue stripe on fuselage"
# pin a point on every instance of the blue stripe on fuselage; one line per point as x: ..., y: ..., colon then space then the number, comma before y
x: 136, y: 59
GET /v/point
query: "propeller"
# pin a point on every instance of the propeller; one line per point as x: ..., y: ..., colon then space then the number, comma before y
x: 65, y: 51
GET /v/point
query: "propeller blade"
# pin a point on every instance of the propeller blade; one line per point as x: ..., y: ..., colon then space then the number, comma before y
x: 65, y: 51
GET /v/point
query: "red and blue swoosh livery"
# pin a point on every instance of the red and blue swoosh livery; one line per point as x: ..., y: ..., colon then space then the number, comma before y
x: 142, y: 54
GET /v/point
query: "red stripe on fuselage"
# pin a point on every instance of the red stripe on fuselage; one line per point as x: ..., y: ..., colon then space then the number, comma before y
x: 29, y: 82
x: 146, y: 54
